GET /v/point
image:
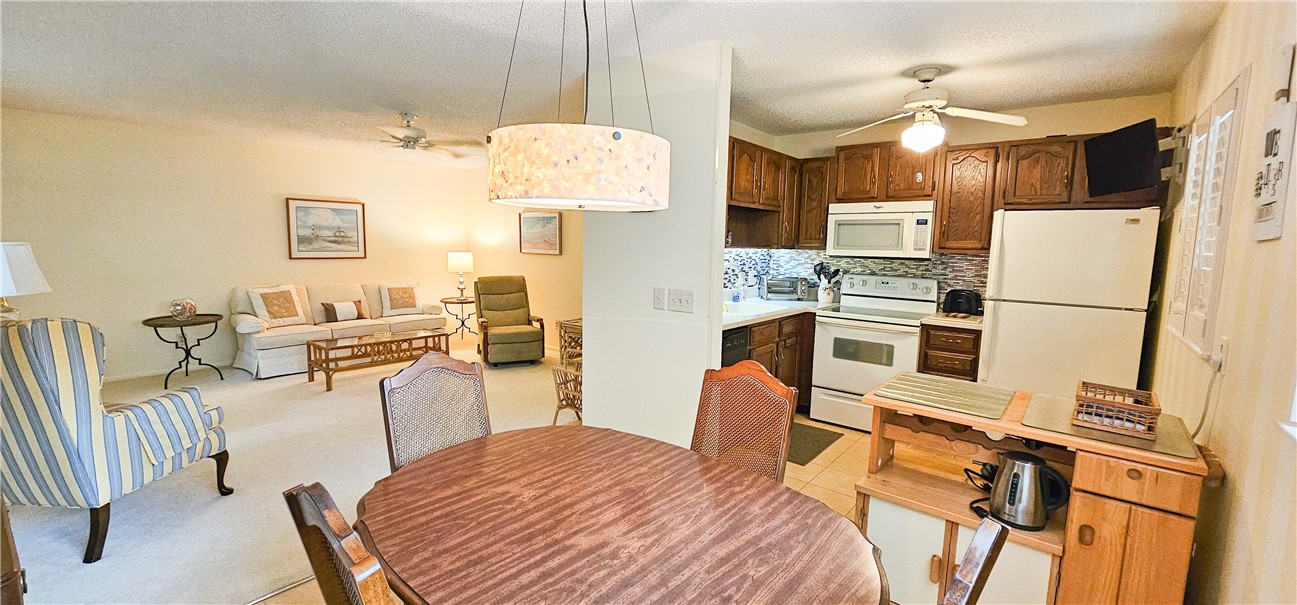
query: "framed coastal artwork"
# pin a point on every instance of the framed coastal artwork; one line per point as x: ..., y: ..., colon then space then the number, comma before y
x: 540, y: 233
x: 325, y: 229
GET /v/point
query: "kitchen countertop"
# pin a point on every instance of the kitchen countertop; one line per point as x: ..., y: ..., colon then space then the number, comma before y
x: 972, y: 322
x: 788, y: 308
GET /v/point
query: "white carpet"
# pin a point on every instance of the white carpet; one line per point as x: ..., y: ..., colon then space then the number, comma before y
x: 178, y: 541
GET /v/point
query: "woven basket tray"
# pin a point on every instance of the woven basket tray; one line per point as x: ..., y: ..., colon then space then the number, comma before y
x: 1123, y: 411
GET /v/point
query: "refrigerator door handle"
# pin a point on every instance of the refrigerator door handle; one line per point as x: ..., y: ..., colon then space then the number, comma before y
x: 997, y: 253
x: 988, y: 342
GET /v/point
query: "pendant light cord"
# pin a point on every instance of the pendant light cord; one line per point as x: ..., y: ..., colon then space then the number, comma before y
x: 643, y: 78
x: 607, y: 50
x: 562, y: 54
x: 585, y: 16
x: 509, y: 72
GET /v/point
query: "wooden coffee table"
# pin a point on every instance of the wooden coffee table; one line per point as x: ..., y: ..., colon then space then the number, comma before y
x: 332, y: 355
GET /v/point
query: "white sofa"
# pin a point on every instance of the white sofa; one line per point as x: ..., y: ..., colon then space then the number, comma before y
x: 276, y: 351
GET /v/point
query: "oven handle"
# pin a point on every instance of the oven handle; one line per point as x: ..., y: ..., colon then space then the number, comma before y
x: 865, y: 325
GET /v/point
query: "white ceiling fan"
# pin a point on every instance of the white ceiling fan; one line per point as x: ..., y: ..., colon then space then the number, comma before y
x: 924, y: 104
x: 410, y: 137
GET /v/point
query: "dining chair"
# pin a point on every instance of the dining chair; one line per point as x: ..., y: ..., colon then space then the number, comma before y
x: 346, y: 572
x: 436, y: 402
x: 567, y: 386
x: 971, y: 574
x: 744, y: 416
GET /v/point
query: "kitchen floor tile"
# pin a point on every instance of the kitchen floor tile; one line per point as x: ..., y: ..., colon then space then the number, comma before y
x: 838, y: 481
x: 841, y: 503
x: 832, y: 452
x: 796, y: 484
x: 802, y: 473
x: 850, y: 465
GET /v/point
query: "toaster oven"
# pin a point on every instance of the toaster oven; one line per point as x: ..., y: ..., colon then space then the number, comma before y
x: 785, y: 288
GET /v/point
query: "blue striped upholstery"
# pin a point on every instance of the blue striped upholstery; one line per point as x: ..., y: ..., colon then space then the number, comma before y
x: 60, y: 445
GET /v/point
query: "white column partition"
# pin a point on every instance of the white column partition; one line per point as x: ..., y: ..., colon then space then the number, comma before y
x: 643, y: 367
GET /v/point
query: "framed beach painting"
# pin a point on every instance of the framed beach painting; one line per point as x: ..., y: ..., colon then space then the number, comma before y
x: 540, y: 233
x: 325, y: 229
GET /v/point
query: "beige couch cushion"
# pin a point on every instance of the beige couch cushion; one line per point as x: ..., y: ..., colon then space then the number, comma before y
x: 278, y: 306
x: 422, y: 321
x: 355, y: 327
x: 401, y: 298
x: 287, y: 336
x: 511, y: 334
x: 240, y: 302
x: 333, y: 293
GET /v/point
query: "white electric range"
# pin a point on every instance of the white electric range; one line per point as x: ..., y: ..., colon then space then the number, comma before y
x: 864, y: 341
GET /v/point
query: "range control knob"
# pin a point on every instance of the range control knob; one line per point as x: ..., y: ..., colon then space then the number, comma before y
x: 914, y: 286
x: 851, y: 282
x: 927, y: 289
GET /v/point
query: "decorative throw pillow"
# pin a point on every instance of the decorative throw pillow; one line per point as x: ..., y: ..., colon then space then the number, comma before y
x: 344, y: 311
x: 399, y: 299
x: 278, y: 306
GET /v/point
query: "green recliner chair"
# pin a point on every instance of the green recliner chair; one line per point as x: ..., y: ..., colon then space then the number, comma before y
x: 509, y: 331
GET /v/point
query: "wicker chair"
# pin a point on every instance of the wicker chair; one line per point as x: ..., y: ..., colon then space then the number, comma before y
x: 346, y: 572
x: 971, y: 574
x: 436, y: 402
x: 744, y: 416
x: 567, y: 385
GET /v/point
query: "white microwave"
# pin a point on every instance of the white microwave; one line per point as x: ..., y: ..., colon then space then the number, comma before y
x: 882, y: 229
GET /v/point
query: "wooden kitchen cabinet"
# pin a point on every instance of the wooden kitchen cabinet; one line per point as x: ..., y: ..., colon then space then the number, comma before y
x: 744, y: 173
x: 910, y: 174
x: 772, y: 180
x: 949, y: 351
x: 1039, y: 172
x: 765, y: 354
x: 967, y: 199
x: 784, y: 347
x: 859, y: 170
x: 788, y: 214
x: 814, y: 193
x: 914, y: 547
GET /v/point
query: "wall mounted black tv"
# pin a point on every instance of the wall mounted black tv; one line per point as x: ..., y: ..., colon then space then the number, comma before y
x: 1123, y: 160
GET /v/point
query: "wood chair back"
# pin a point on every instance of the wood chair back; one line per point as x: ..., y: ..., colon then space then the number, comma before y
x: 436, y: 402
x: 971, y: 574
x: 567, y: 386
x: 346, y: 572
x: 744, y: 415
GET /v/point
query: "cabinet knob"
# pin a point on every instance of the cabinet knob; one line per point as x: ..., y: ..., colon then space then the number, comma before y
x: 1085, y: 535
x: 1134, y: 474
x: 918, y: 177
x: 934, y: 569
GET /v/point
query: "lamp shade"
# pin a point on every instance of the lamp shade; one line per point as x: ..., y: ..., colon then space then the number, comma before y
x: 578, y: 167
x: 926, y: 133
x: 459, y: 262
x: 21, y: 275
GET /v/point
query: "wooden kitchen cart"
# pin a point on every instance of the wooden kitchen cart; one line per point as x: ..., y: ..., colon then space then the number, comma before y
x: 331, y: 355
x: 1125, y: 537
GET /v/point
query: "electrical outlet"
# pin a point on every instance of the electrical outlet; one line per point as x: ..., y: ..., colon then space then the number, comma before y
x: 681, y: 301
x: 659, y: 297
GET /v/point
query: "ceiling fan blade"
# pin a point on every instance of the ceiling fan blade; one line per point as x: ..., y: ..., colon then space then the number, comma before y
x: 459, y: 143
x: 391, y: 131
x: 986, y: 116
x: 895, y: 117
x: 439, y: 151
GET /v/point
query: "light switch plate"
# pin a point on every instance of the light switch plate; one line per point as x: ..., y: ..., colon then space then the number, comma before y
x: 659, y: 297
x: 681, y: 301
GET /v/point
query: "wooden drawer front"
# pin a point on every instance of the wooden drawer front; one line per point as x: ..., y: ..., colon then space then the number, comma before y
x: 791, y: 325
x: 957, y: 341
x: 954, y: 364
x: 1140, y: 483
x: 763, y: 333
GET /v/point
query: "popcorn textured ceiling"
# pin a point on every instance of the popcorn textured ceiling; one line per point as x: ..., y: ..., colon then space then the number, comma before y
x: 326, y: 73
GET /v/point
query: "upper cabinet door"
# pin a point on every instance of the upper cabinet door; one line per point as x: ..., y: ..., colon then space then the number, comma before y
x: 788, y: 215
x: 910, y: 174
x: 815, y: 191
x: 859, y: 168
x: 967, y: 199
x: 1040, y: 173
x: 745, y: 172
x: 772, y: 179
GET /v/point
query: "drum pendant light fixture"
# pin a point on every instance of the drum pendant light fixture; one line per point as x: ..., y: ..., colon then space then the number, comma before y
x: 583, y: 166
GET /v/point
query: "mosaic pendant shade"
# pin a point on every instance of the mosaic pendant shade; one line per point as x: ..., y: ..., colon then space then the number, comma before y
x: 578, y: 167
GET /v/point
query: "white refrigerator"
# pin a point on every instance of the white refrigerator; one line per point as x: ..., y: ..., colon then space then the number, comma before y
x: 1067, y: 297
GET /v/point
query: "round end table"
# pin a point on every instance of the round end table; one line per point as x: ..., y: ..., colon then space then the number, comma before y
x: 167, y: 321
x: 462, y: 316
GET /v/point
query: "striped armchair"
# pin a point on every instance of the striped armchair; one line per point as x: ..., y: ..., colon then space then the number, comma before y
x: 62, y: 446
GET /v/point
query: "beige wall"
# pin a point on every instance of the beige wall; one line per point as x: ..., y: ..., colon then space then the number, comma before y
x: 1071, y: 118
x: 1248, y: 527
x: 123, y: 218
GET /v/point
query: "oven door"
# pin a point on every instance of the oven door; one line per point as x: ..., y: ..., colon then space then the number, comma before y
x: 883, y: 234
x: 855, y: 356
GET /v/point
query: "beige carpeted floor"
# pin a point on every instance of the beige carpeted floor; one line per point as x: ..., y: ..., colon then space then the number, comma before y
x: 177, y: 541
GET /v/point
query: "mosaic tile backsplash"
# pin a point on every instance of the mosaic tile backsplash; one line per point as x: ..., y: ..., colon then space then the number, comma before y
x: 951, y: 271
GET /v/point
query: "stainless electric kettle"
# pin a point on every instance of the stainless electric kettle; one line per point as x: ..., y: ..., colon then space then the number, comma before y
x: 1023, y: 490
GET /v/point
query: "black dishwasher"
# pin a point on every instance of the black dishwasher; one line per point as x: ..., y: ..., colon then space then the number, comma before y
x: 734, y: 346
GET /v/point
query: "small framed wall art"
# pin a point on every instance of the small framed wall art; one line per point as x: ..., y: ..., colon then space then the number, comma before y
x: 540, y: 233
x: 325, y: 229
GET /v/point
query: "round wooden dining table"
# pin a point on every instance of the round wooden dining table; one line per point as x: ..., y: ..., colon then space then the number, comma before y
x: 573, y: 514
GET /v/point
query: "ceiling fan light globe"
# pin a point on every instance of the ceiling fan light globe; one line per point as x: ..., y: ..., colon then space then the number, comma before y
x: 923, y: 135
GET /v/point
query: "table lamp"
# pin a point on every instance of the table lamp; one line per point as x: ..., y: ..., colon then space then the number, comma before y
x: 461, y: 263
x: 21, y: 275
